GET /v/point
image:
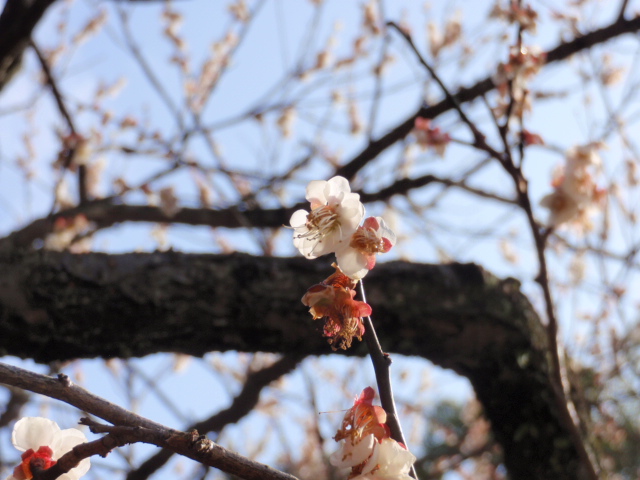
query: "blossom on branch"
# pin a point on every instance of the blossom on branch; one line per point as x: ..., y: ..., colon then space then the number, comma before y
x: 511, y: 79
x: 530, y: 138
x: 373, y: 237
x: 333, y: 300
x: 364, y: 418
x: 514, y: 12
x: 43, y: 443
x: 335, y: 214
x: 332, y: 225
x: 429, y: 136
x: 366, y: 446
x: 576, y: 194
x: 393, y: 462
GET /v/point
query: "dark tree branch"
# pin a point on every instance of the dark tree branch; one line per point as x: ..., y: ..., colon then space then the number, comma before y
x: 468, y: 94
x: 190, y: 445
x: 61, y: 306
x: 53, y: 85
x: 241, y: 405
x: 479, y: 138
x: 107, y: 212
x: 17, y: 21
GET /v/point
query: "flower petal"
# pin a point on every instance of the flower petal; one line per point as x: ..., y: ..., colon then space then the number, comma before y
x: 65, y: 440
x: 77, y: 472
x: 337, y: 187
x: 33, y: 432
x: 352, y: 263
x: 335, y: 215
x: 315, y: 192
x: 349, y: 455
x: 393, y: 459
x: 372, y: 222
x: 298, y: 219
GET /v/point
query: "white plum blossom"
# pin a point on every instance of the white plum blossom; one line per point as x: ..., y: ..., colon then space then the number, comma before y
x: 393, y: 462
x: 335, y: 215
x: 359, y: 256
x: 576, y: 195
x: 354, y: 451
x: 365, y: 444
x: 373, y: 460
x: 43, y: 441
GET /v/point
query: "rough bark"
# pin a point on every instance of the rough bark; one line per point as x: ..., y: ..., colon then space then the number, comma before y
x: 57, y: 306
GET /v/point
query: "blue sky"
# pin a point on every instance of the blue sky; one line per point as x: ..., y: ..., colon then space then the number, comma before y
x: 458, y: 226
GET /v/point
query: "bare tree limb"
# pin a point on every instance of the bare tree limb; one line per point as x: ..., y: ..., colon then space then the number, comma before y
x: 241, y: 405
x: 382, y: 368
x: 190, y: 445
x: 107, y: 212
x: 468, y: 94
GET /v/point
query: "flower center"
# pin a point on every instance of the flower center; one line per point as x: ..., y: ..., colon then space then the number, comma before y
x: 366, y: 241
x: 41, y: 460
x: 323, y: 220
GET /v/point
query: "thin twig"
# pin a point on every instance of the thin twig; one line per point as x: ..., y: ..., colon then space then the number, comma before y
x: 623, y: 7
x: 382, y: 368
x: 467, y: 94
x: 241, y: 405
x: 479, y: 138
x: 57, y: 95
x: 155, y: 82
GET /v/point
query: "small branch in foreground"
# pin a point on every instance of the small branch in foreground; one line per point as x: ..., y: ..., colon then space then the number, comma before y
x: 190, y: 445
x: 623, y: 7
x: 103, y: 446
x: 241, y: 405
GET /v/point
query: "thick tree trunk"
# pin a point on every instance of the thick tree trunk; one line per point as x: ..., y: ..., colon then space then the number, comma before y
x: 57, y: 306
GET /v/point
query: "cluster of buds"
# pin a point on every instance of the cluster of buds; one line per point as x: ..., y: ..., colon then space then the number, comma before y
x: 523, y: 15
x: 429, y: 136
x: 43, y: 443
x: 67, y: 234
x: 576, y: 194
x: 76, y: 150
x: 523, y: 64
x: 513, y: 76
x: 440, y: 40
x: 333, y: 226
x: 366, y: 447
